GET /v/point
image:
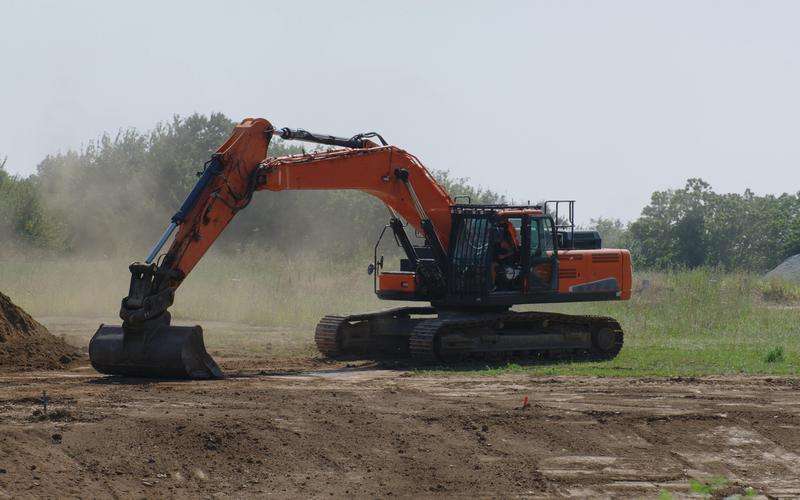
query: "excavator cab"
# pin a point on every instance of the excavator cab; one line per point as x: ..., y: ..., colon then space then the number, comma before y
x: 501, y: 252
x: 499, y: 255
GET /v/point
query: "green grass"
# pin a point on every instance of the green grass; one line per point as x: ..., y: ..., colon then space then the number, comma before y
x: 664, y: 495
x: 714, y: 486
x: 775, y: 355
x: 708, y: 486
x: 685, y: 323
x: 779, y: 291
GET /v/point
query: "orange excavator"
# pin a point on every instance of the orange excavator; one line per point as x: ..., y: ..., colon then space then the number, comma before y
x: 467, y: 264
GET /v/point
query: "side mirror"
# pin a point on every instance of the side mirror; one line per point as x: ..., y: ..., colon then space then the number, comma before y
x: 374, y: 267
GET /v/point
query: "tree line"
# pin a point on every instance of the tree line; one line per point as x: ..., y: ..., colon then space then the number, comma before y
x: 113, y: 197
x: 695, y: 226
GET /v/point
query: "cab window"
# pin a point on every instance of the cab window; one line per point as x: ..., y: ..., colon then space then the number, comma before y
x: 535, y: 241
x: 516, y: 223
x: 547, y: 234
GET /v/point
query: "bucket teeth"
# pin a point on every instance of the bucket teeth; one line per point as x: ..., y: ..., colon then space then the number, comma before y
x: 159, y: 351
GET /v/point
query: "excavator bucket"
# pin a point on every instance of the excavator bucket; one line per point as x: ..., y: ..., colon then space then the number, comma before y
x: 158, y: 351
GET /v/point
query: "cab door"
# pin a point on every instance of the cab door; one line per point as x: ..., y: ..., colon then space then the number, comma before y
x: 542, y: 258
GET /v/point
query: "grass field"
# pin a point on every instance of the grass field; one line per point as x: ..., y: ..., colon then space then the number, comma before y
x: 698, y: 322
x: 680, y: 323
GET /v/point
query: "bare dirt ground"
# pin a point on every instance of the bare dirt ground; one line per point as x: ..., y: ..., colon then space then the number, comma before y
x: 302, y: 427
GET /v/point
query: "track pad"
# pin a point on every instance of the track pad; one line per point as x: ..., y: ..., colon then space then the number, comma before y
x: 157, y: 351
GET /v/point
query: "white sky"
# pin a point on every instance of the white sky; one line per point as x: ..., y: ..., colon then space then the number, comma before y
x: 599, y: 101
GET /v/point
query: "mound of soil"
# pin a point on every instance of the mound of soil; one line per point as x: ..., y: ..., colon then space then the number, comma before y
x: 789, y: 269
x: 27, y: 345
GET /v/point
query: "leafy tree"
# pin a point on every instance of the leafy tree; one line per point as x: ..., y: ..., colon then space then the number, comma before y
x: 23, y: 218
x: 695, y: 226
x: 612, y: 231
x: 461, y: 187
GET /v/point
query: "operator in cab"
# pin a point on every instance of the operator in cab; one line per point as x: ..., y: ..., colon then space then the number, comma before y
x: 506, y: 255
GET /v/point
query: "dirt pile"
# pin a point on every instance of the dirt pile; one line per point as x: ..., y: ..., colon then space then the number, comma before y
x: 789, y: 269
x: 27, y: 345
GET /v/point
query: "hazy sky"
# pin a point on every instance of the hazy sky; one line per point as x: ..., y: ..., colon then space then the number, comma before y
x: 599, y: 101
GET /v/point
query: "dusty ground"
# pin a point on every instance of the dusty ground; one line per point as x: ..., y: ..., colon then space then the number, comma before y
x: 304, y: 428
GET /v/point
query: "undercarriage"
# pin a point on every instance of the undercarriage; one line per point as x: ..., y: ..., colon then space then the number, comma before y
x: 428, y: 335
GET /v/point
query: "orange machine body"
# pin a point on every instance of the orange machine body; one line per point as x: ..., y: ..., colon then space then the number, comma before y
x: 371, y: 171
x: 579, y: 269
x: 398, y: 281
x: 241, y: 156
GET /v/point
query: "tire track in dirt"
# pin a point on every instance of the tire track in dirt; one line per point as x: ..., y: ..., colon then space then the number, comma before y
x: 356, y: 432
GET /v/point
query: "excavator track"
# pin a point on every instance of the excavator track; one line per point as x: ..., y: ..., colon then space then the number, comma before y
x: 528, y: 335
x: 456, y: 338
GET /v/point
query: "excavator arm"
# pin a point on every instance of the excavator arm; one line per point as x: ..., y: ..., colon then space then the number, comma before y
x: 146, y: 344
